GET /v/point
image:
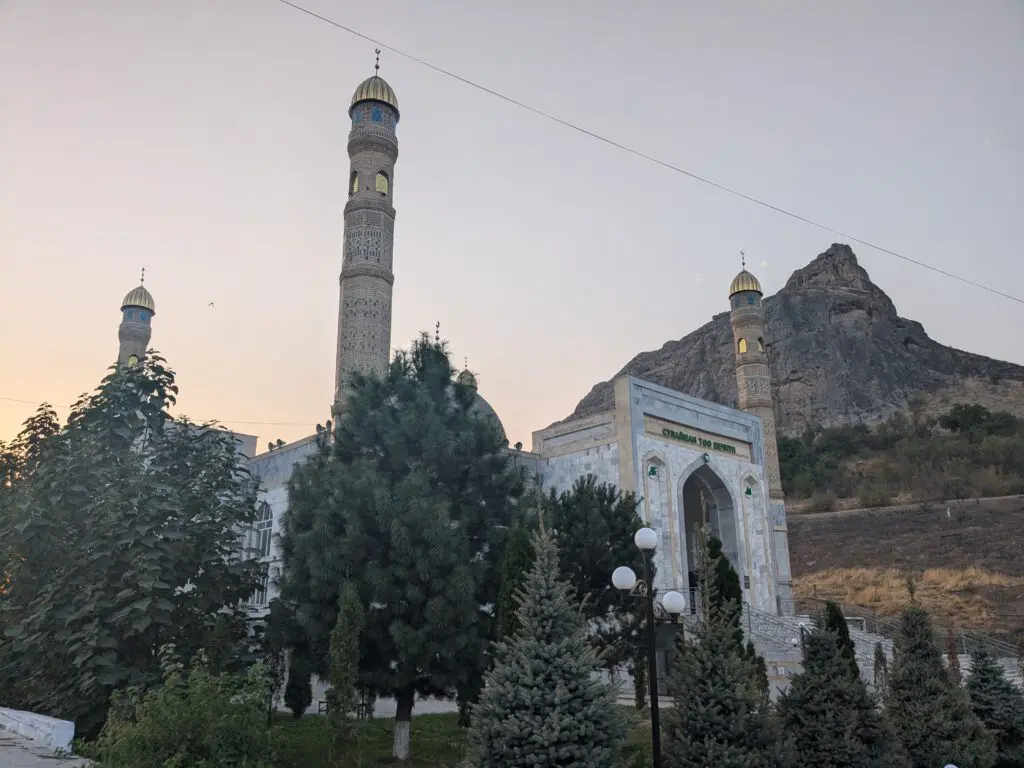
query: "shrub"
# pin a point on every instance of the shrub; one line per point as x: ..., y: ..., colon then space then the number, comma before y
x: 202, y: 721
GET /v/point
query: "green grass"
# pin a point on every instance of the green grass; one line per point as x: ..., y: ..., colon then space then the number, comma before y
x: 437, y: 742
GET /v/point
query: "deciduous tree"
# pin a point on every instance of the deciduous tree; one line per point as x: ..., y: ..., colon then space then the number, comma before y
x: 126, y: 525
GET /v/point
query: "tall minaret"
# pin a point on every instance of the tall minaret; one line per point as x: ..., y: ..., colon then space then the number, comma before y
x: 135, y: 331
x: 364, y: 310
x: 754, y: 385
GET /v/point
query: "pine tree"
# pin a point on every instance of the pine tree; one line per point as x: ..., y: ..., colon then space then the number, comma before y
x: 412, y: 502
x: 999, y: 704
x: 343, y: 697
x: 542, y: 704
x: 298, y: 689
x: 834, y: 622
x: 829, y: 715
x: 719, y: 715
x: 594, y: 524
x: 932, y: 718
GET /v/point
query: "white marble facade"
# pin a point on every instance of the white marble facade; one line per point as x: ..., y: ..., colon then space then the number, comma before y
x: 686, y: 459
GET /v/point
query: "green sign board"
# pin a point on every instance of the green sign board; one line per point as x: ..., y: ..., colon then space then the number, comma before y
x: 701, y: 441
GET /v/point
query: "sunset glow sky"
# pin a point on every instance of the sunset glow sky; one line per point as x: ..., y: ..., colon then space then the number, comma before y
x: 206, y: 142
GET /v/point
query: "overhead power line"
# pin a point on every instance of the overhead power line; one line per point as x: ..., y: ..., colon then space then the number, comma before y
x: 648, y: 157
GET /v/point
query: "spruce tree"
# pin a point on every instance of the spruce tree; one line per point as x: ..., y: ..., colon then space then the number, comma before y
x: 298, y: 689
x: 343, y: 696
x: 932, y: 718
x: 881, y: 672
x: 719, y: 715
x: 999, y: 704
x: 830, y: 716
x: 543, y: 703
x: 834, y: 622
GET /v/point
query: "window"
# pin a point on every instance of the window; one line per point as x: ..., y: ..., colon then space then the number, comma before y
x: 377, y: 115
x: 353, y: 184
x: 751, y: 298
x: 760, y: 344
x: 741, y: 346
x: 259, y: 597
x: 260, y: 537
x: 357, y: 116
x: 382, y: 183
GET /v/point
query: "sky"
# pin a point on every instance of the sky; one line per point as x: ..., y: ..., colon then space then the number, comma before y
x: 205, y: 140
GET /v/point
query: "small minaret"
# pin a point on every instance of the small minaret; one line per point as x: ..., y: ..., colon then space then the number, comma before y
x: 753, y: 377
x: 136, y: 328
x: 364, y: 310
x: 754, y: 385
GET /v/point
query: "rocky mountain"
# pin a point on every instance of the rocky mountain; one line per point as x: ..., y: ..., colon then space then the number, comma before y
x: 839, y: 354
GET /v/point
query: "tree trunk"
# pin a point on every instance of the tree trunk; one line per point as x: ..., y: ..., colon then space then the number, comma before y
x: 403, y: 724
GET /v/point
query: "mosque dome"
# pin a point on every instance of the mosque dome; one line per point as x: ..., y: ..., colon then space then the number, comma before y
x: 375, y: 88
x: 480, y: 408
x: 744, y: 281
x: 139, y: 298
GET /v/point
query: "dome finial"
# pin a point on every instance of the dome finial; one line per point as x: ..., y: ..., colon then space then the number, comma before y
x: 437, y: 332
x: 743, y: 260
x: 376, y: 67
x: 142, y: 280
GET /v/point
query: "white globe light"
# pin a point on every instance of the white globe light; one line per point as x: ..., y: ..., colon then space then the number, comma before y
x: 646, y: 539
x: 673, y: 602
x: 623, y: 578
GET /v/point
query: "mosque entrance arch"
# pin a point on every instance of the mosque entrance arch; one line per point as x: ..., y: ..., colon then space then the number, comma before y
x: 705, y: 498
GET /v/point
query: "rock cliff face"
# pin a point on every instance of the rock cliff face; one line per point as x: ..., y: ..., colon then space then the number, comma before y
x: 838, y: 351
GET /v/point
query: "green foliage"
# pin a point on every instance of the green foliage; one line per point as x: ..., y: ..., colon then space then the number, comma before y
x: 205, y: 721
x: 541, y: 704
x: 932, y: 717
x: 830, y: 716
x: 343, y: 696
x: 120, y: 535
x: 411, y: 503
x: 999, y: 704
x: 595, y: 524
x: 517, y: 563
x: 640, y: 688
x: 719, y: 715
x: 968, y: 451
x: 833, y: 621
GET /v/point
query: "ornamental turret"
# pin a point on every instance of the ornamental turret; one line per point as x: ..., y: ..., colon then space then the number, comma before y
x: 753, y: 376
x: 135, y: 331
x: 364, y: 309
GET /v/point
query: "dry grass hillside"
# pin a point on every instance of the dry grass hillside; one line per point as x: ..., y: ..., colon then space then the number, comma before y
x: 966, y: 560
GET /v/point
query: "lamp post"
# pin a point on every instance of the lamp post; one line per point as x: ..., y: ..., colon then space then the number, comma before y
x: 672, y: 603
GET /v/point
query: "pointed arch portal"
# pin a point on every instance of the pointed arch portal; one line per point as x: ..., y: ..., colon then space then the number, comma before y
x: 706, y: 497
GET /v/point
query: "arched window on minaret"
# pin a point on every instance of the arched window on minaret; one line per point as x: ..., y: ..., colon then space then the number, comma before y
x: 741, y: 346
x: 382, y: 182
x: 760, y: 344
x: 353, y: 183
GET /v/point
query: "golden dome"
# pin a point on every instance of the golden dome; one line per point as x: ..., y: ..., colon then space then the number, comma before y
x: 375, y: 88
x: 140, y: 298
x: 744, y: 281
x: 466, y: 379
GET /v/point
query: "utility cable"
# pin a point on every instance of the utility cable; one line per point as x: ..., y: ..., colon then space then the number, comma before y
x: 645, y: 156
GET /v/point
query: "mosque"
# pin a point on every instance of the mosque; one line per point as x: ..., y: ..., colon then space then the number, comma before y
x: 688, y: 460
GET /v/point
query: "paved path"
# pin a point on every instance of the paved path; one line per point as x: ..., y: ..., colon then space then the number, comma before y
x: 16, y: 752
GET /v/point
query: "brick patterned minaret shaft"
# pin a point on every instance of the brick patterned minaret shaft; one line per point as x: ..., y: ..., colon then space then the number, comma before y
x: 753, y: 376
x: 364, y: 309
